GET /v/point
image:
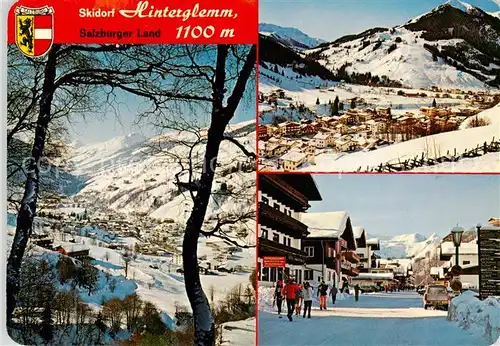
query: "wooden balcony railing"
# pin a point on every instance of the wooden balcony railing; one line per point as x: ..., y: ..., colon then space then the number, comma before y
x: 351, y: 256
x: 276, y: 219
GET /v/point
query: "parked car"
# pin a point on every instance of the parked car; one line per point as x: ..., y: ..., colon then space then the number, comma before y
x: 436, y: 296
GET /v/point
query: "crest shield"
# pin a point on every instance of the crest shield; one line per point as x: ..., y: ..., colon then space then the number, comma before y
x: 34, y: 30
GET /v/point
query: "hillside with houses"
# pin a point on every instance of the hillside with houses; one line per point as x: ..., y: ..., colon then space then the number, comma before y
x: 325, y: 108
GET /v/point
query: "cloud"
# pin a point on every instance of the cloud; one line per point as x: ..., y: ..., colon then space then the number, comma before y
x: 496, y: 2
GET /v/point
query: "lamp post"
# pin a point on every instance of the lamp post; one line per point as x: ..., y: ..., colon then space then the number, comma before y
x: 323, y: 260
x: 456, y: 233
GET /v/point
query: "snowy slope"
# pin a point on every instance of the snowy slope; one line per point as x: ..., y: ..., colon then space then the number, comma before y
x: 433, y: 146
x: 130, y: 177
x: 407, y: 245
x: 409, y: 63
x: 454, y: 45
x: 291, y: 37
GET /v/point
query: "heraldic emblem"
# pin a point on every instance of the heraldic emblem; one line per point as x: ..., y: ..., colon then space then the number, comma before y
x: 34, y: 30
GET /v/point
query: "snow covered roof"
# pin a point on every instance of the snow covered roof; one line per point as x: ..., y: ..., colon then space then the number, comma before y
x: 294, y: 156
x: 358, y: 231
x: 321, y: 136
x: 332, y: 220
x: 323, y: 233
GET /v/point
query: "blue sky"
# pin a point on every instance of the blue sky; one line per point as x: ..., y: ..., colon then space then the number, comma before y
x: 331, y: 19
x: 401, y: 204
x: 106, y: 125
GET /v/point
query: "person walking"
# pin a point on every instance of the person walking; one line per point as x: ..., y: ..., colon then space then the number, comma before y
x: 308, y: 296
x: 299, y: 296
x: 278, y: 298
x: 356, y: 292
x: 333, y: 293
x: 289, y: 291
x: 323, y: 294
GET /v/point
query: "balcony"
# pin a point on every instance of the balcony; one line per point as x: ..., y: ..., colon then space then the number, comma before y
x: 271, y: 248
x: 279, y: 189
x: 348, y: 269
x: 275, y: 219
x: 351, y: 256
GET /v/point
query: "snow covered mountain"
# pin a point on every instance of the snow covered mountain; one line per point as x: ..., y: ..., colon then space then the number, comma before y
x: 291, y: 37
x: 455, y: 45
x: 135, y: 175
x: 407, y: 245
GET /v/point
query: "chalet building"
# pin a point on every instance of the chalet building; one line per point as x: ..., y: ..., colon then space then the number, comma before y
x: 292, y: 160
x: 263, y: 132
x: 308, y: 129
x: 283, y: 199
x: 79, y: 252
x: 323, y: 139
x: 330, y: 247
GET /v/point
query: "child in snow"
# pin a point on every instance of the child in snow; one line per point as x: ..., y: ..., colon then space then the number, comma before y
x: 278, y: 297
x: 298, y: 300
x: 308, y: 294
x: 323, y: 294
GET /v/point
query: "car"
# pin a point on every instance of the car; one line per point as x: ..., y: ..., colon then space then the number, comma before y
x: 437, y: 297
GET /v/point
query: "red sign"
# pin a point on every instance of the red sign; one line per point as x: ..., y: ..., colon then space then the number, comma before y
x: 274, y: 262
x: 127, y: 21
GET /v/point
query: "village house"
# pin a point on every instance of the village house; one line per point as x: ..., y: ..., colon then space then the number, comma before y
x: 80, y: 252
x: 292, y: 160
x: 345, y: 143
x: 323, y: 139
x: 330, y: 247
x: 264, y: 132
x: 283, y: 199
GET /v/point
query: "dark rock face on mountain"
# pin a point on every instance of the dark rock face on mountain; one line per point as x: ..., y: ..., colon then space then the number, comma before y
x: 272, y: 52
x: 480, y: 32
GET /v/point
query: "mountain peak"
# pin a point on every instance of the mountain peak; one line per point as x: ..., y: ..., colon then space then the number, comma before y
x: 291, y: 37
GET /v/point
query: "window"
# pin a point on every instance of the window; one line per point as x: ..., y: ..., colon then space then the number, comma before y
x: 465, y: 262
x: 309, y: 251
x: 264, y: 234
x: 289, y: 242
x: 284, y: 240
x: 276, y: 206
x: 276, y: 237
x: 308, y: 275
x: 265, y: 200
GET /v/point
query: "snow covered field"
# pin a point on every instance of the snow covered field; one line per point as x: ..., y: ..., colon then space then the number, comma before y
x: 432, y: 146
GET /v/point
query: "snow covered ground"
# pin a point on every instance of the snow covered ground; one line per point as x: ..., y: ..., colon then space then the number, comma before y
x: 239, y: 333
x: 478, y: 317
x: 432, y: 146
x: 404, y: 323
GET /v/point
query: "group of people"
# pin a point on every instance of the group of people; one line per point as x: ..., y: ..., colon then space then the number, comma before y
x: 297, y: 295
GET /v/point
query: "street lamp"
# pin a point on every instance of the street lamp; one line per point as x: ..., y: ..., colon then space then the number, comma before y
x: 456, y: 233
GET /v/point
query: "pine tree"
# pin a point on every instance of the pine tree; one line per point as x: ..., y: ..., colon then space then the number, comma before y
x: 353, y: 104
x: 341, y: 106
x: 317, y: 101
x: 276, y: 69
x: 335, y: 109
x: 434, y: 103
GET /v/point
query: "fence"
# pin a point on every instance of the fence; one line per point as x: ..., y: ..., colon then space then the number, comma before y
x: 424, y: 160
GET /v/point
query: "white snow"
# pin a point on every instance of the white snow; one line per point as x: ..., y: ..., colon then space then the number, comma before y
x: 239, y: 333
x: 478, y: 317
x: 333, y: 220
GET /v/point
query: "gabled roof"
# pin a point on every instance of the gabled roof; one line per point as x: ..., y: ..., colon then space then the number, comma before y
x: 360, y: 236
x: 333, y: 221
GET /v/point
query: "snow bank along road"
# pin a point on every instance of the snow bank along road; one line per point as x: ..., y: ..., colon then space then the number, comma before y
x: 382, y: 319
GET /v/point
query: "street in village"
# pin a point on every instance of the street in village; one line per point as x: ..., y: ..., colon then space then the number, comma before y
x: 396, y: 318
